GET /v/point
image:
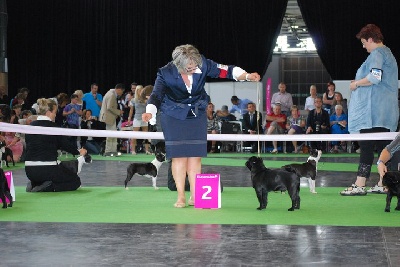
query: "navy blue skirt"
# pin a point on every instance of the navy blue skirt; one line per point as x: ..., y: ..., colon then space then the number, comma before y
x: 185, y: 138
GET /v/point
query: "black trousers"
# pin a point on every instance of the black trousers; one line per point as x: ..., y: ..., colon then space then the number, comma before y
x: 63, y: 176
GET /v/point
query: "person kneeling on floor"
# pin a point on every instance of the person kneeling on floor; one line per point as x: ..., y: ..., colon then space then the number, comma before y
x: 45, y: 172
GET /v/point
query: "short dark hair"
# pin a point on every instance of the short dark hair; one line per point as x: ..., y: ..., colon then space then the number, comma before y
x: 74, y: 96
x: 120, y: 86
x: 134, y: 83
x: 94, y: 84
x: 234, y: 98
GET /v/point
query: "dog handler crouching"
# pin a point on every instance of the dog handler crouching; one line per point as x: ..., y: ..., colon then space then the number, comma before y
x: 45, y: 173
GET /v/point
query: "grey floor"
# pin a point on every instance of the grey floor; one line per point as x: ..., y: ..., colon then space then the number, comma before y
x: 97, y: 244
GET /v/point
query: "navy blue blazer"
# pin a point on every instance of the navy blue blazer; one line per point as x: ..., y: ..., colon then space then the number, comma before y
x: 171, y: 96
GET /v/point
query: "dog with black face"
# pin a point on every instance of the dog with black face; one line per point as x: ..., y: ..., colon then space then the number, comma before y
x: 5, y: 190
x: 148, y: 169
x: 391, y: 180
x: 307, y: 169
x: 6, y: 153
x: 266, y: 180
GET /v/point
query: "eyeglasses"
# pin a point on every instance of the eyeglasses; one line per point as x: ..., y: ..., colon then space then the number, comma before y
x: 191, y: 69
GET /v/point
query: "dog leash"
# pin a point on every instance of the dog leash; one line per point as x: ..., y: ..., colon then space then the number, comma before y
x: 258, y: 118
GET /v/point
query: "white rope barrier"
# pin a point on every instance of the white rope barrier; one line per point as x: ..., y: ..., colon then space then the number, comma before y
x: 7, y: 127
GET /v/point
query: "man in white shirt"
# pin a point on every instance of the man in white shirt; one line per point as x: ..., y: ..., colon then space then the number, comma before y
x: 309, y: 105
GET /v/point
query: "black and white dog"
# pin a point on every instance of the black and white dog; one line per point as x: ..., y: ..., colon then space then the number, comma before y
x: 5, y: 190
x: 391, y: 180
x: 265, y: 180
x: 75, y: 165
x: 148, y: 169
x: 5, y: 153
x: 308, y: 169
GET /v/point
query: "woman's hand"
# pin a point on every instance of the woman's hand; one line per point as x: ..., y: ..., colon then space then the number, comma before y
x: 253, y: 77
x: 146, y: 117
x: 382, y: 169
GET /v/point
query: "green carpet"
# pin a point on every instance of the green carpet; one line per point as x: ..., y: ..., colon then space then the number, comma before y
x: 146, y: 205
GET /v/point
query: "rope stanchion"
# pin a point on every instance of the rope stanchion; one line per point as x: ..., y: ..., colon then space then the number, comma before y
x: 7, y: 127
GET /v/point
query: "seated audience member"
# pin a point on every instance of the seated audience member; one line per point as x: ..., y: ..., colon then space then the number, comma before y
x: 338, y: 126
x: 338, y: 100
x: 239, y: 105
x: 41, y: 166
x: 88, y: 142
x: 212, y: 124
x: 318, y: 122
x: 62, y: 101
x: 309, y: 105
x: 295, y: 124
x: 328, y: 96
x: 224, y: 114
x: 275, y: 124
x: 25, y: 121
x: 252, y: 124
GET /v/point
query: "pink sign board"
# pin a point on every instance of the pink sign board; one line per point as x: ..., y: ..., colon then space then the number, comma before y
x: 208, y: 191
x: 10, y: 181
x: 268, y: 96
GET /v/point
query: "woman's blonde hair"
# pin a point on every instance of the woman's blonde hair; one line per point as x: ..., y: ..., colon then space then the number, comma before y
x: 183, y: 55
x: 44, y: 105
x: 138, y: 93
x: 79, y: 93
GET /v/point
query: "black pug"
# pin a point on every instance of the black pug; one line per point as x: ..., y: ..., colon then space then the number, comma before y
x: 5, y: 190
x: 391, y: 180
x: 148, y: 169
x: 6, y: 153
x: 265, y: 180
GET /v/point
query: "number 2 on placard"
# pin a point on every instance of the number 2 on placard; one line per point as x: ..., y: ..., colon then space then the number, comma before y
x: 205, y: 195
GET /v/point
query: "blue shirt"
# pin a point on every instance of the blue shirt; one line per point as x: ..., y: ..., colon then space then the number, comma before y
x: 91, y: 103
x: 241, y: 106
x: 376, y: 105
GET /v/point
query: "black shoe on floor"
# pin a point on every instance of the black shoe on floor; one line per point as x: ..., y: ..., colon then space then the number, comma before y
x: 29, y: 187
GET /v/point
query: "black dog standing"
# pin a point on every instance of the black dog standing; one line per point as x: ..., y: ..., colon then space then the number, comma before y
x: 391, y: 180
x: 5, y: 190
x: 265, y: 180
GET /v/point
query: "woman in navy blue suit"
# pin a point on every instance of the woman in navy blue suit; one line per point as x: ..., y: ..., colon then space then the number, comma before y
x: 179, y: 94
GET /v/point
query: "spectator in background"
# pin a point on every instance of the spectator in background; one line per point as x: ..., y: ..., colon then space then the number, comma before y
x: 93, y: 100
x: 239, y: 105
x: 252, y: 124
x: 283, y: 98
x: 17, y: 100
x: 73, y: 112
x: 295, y: 124
x: 88, y: 142
x: 139, y: 105
x: 108, y: 114
x: 338, y: 126
x: 212, y: 124
x: 328, y: 96
x: 4, y: 99
x: 309, y: 105
x: 224, y: 115
x: 131, y: 93
x: 338, y: 100
x: 62, y: 101
x: 318, y: 122
x: 275, y: 124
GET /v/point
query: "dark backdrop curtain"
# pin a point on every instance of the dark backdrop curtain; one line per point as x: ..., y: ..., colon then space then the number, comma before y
x: 333, y: 26
x: 61, y: 46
